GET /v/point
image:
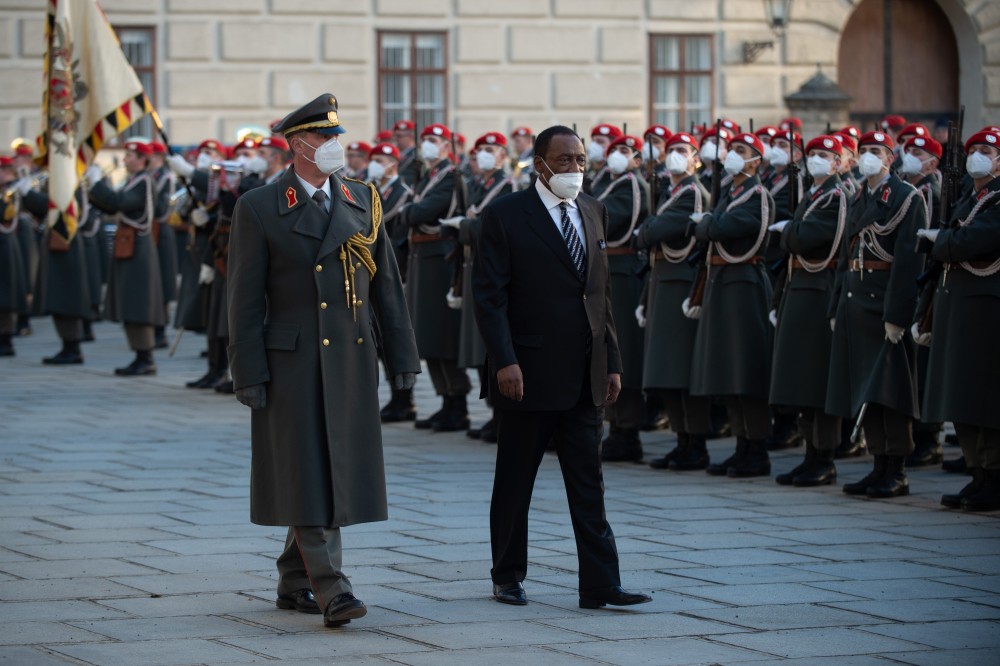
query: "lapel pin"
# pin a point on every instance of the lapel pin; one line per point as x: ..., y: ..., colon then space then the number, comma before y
x: 290, y: 195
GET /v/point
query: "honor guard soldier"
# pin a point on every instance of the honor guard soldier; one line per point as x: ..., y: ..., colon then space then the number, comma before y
x: 383, y: 168
x: 964, y: 366
x: 13, y: 283
x: 357, y: 160
x: 626, y: 198
x: 765, y: 134
x: 404, y: 136
x: 134, y: 295
x: 491, y: 156
x: 598, y: 175
x: 848, y: 163
x: 713, y: 155
x: 873, y: 363
x: 429, y: 277
x: 919, y: 167
x: 667, y: 367
x: 522, y: 159
x: 802, y: 339
x: 165, y: 186
x: 732, y: 351
x: 654, y: 149
x: 27, y: 238
x: 310, y: 267
x: 904, y: 135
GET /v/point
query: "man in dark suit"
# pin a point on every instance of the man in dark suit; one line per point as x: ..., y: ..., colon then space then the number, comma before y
x: 543, y: 305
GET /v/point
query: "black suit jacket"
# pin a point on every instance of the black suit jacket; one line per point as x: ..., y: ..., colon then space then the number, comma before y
x: 534, y: 309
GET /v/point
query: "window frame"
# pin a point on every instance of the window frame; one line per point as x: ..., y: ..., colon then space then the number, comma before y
x: 681, y: 73
x: 144, y: 126
x: 412, y: 73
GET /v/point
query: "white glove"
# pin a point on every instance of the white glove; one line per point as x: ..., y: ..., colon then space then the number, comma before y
x: 922, y: 339
x: 206, y: 275
x: 180, y: 166
x: 778, y: 226
x: 929, y: 234
x: 696, y: 217
x: 199, y: 217
x: 257, y: 165
x: 772, y: 317
x: 23, y: 186
x: 93, y: 175
x: 453, y: 222
x: 454, y: 302
x: 640, y: 316
x: 833, y: 323
x: 893, y: 333
x: 690, y: 311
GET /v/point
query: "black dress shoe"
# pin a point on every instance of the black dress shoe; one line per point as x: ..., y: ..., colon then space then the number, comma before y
x: 301, y: 600
x: 208, y: 380
x: 137, y: 368
x: 612, y: 596
x: 510, y: 593
x: 343, y: 609
x: 64, y: 358
x: 225, y: 387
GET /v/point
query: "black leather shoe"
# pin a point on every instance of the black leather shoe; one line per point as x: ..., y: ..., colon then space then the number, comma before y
x: 954, y: 500
x: 208, y: 380
x: 343, y: 609
x: 612, y: 596
x: 664, y: 462
x: 64, y: 358
x: 225, y: 387
x: 136, y: 368
x: 510, y: 593
x: 436, y: 417
x: 692, y: 457
x: 861, y: 487
x: 622, y: 445
x: 301, y: 600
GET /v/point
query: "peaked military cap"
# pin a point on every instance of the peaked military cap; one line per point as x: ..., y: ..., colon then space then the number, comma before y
x: 319, y: 115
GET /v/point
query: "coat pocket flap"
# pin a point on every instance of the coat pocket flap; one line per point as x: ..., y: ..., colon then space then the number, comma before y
x: 281, y: 336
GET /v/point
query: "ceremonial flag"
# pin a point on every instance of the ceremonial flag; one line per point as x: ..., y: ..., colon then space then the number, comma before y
x: 91, y: 94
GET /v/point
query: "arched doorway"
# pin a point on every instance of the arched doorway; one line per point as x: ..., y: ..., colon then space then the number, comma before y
x: 899, y: 56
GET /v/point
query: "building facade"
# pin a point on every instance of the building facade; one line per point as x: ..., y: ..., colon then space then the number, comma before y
x: 215, y: 66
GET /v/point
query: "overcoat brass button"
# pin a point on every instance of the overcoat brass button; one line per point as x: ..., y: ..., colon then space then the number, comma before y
x: 326, y: 342
x: 361, y: 340
x: 322, y: 306
x: 319, y: 269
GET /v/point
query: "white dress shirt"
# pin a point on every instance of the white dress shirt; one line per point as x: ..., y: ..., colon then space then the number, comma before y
x: 551, y: 203
x: 311, y: 189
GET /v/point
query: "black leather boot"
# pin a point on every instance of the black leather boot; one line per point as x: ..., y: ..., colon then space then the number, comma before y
x: 624, y: 447
x: 399, y: 408
x: 788, y: 477
x: 956, y: 466
x: 894, y: 482
x: 954, y: 501
x: 722, y: 468
x: 873, y: 477
x: 987, y: 497
x: 694, y: 456
x: 846, y: 448
x: 6, y: 346
x: 428, y: 423
x: 927, y: 448
x: 142, y: 365
x: 160, y: 337
x: 68, y: 355
x: 455, y: 418
x: 820, y: 472
x: 755, y: 462
x: 209, y: 380
x: 664, y: 462
x: 784, y: 433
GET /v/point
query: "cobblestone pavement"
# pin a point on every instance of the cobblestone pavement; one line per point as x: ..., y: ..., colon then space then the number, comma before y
x: 125, y: 539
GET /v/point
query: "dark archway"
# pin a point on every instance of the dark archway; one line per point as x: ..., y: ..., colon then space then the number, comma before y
x: 917, y: 76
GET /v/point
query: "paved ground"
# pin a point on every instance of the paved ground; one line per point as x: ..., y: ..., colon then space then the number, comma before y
x: 125, y: 539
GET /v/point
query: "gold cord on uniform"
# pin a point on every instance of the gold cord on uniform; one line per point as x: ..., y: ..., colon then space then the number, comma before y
x: 357, y: 246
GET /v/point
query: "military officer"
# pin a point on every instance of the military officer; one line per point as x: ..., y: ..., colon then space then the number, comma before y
x: 598, y: 175
x: 872, y: 363
x: 963, y: 364
x: 430, y: 274
x: 134, y: 296
x: 731, y: 360
x: 802, y: 337
x: 309, y: 267
x: 626, y: 197
x: 667, y: 367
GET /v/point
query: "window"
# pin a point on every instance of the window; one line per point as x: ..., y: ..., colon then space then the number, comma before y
x: 680, y: 80
x: 412, y: 78
x: 139, y: 46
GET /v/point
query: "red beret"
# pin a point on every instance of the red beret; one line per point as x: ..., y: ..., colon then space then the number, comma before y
x: 141, y: 147
x: 847, y: 140
x: 792, y: 123
x: 658, y: 130
x: 731, y: 125
x: 24, y: 148
x: 825, y: 142
x: 913, y: 129
x: 386, y: 149
x: 213, y: 144
x: 437, y: 129
x: 491, y: 139
x: 460, y: 138
x: 633, y: 142
x: 751, y: 140
x: 851, y: 131
x: 403, y: 126
x: 724, y: 134
x: 158, y: 148
x: 767, y: 130
x: 360, y: 146
x: 792, y: 137
x: 274, y: 142
x: 607, y: 130
x: 6, y: 161
x: 876, y: 139
x: 682, y: 137
x: 248, y: 142
x: 991, y: 128
x: 383, y: 136
x: 984, y: 137
x: 521, y: 131
x: 893, y: 122
x: 924, y: 143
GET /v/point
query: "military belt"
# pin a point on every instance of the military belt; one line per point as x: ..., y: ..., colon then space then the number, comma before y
x: 716, y: 260
x: 870, y: 265
x: 424, y: 238
x: 797, y: 265
x: 616, y: 251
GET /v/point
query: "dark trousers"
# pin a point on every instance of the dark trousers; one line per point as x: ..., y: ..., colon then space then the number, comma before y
x: 70, y: 329
x: 688, y: 414
x: 523, y: 436
x: 312, y: 560
x: 981, y: 445
x: 887, y: 431
x: 821, y: 430
x: 448, y: 379
x: 749, y: 417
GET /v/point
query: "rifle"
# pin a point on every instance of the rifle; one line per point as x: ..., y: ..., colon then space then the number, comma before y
x: 793, y: 173
x: 654, y: 190
x: 951, y: 188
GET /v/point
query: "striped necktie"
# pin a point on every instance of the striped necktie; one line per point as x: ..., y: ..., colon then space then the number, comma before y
x: 572, y: 240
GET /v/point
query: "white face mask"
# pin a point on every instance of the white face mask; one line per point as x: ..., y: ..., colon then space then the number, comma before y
x: 650, y: 152
x: 429, y: 151
x: 978, y: 165
x: 595, y: 152
x: 779, y: 157
x: 677, y: 163
x: 618, y: 162
x: 709, y: 152
x: 911, y: 165
x: 375, y: 170
x: 565, y: 185
x: 203, y: 162
x: 328, y: 157
x: 870, y: 165
x: 734, y: 164
x: 818, y: 166
x: 486, y: 160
